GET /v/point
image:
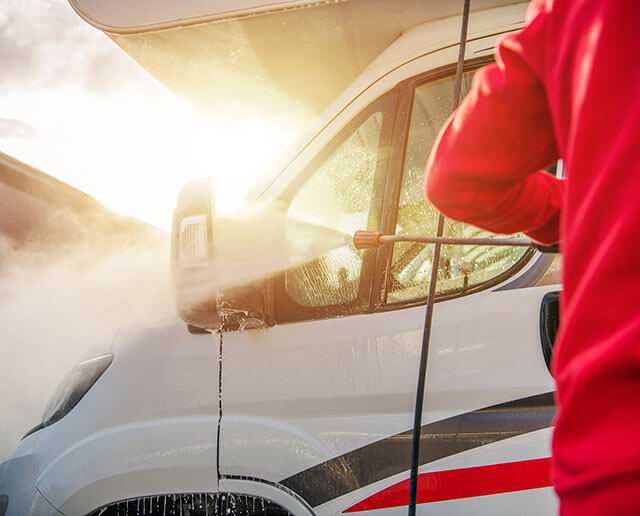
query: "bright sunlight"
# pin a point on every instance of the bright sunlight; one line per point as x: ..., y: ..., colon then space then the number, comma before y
x: 78, y: 108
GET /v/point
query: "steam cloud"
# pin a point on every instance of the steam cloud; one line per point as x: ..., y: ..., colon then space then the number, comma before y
x: 62, y: 303
x: 58, y: 305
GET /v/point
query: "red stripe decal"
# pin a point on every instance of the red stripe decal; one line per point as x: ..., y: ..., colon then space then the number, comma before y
x: 464, y: 483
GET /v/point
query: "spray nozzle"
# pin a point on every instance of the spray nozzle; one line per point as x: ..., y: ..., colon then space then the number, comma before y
x: 367, y: 239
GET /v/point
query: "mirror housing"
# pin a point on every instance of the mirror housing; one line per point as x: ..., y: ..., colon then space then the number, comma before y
x: 193, y: 247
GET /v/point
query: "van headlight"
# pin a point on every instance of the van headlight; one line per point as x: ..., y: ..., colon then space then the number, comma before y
x: 73, y: 388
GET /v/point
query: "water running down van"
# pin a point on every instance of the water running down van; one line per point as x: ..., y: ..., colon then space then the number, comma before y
x: 295, y: 395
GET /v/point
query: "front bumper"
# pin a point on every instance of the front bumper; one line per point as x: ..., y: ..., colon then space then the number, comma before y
x: 18, y: 493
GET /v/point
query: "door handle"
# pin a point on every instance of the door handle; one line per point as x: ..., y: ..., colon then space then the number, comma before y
x: 549, y: 323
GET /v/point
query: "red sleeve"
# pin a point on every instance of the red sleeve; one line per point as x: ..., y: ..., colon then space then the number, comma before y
x: 485, y: 165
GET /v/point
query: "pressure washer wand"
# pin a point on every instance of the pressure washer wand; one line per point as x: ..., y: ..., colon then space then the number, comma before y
x: 376, y: 239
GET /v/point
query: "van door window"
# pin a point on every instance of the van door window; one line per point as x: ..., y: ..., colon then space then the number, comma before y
x: 462, y: 268
x: 343, y: 193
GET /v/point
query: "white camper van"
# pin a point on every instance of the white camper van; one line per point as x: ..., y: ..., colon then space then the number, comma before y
x: 295, y: 394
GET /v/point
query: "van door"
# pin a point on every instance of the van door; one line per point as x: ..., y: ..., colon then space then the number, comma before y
x: 321, y: 404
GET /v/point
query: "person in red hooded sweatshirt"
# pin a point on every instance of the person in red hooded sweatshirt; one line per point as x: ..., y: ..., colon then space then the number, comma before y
x: 567, y: 86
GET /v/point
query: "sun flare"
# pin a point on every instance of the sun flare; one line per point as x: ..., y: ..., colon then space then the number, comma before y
x: 101, y: 123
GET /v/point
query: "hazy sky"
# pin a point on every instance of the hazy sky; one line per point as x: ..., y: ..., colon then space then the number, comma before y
x: 75, y: 106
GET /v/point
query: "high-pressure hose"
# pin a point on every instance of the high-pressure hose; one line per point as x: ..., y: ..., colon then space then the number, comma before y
x: 369, y: 239
x: 426, y: 334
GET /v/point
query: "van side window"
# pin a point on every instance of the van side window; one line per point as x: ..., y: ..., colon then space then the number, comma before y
x: 337, y: 196
x: 461, y: 267
x: 342, y: 194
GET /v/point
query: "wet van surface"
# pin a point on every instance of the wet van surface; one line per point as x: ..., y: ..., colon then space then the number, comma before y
x: 292, y: 391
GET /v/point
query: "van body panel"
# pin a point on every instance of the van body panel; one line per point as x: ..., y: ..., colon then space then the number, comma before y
x: 148, y: 426
x: 525, y: 447
x: 266, y: 490
x: 120, y: 16
x: 298, y: 395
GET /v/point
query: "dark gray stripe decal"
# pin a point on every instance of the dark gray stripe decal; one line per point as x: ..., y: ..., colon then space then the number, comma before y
x: 392, y: 455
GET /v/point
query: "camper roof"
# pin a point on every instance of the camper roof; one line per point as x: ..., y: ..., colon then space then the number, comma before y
x: 267, y: 55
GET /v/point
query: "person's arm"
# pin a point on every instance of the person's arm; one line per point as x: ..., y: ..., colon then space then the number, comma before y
x: 485, y: 165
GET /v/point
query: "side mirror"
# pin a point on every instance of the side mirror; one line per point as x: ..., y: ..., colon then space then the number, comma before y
x: 193, y: 249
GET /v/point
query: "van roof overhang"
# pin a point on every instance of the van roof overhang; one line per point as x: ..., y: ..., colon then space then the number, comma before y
x: 266, y: 55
